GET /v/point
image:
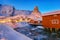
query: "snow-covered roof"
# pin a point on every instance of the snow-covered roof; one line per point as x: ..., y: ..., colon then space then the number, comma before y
x: 51, y: 13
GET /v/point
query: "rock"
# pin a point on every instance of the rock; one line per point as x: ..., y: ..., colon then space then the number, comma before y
x: 36, y: 15
x: 6, y: 10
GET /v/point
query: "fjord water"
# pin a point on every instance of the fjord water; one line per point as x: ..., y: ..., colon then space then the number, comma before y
x: 33, y: 32
x: 36, y: 32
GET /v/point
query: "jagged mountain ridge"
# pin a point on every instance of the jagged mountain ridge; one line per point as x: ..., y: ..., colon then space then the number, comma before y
x: 6, y: 10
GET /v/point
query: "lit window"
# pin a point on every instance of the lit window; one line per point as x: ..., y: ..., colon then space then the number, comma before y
x: 55, y: 21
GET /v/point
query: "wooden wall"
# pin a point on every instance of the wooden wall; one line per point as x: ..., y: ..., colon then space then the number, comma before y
x: 51, y: 21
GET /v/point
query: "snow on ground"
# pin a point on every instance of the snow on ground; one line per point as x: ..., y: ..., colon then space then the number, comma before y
x: 7, y: 33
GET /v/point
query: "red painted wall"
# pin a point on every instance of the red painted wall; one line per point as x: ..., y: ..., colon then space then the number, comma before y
x: 51, y: 21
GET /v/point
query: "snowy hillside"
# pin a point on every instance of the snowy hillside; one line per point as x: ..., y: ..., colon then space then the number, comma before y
x: 7, y: 33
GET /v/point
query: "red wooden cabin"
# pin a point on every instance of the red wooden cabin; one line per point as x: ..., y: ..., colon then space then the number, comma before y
x: 51, y: 20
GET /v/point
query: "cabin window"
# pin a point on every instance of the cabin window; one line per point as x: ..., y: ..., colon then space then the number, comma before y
x: 55, y: 21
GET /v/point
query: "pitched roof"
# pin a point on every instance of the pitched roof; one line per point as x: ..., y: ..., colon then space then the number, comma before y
x: 51, y: 13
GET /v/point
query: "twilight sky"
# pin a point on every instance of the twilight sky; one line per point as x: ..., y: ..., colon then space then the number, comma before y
x: 43, y: 5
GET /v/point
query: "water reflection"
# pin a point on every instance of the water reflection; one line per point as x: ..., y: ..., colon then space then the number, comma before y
x: 37, y: 33
x: 33, y: 32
